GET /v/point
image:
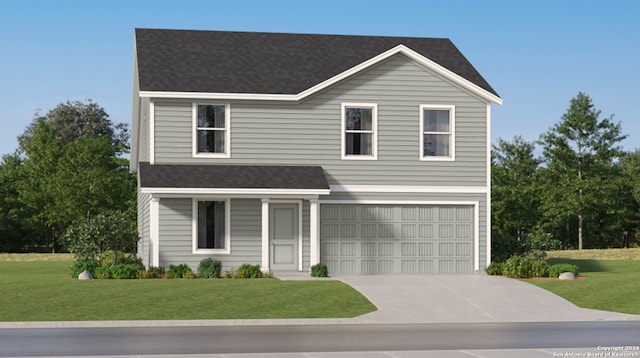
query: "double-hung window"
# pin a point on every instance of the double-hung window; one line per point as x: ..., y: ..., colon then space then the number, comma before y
x: 211, y: 227
x: 211, y: 130
x: 437, y: 132
x: 359, y: 131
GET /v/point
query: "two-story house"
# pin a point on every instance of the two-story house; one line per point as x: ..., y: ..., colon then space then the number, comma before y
x: 369, y: 154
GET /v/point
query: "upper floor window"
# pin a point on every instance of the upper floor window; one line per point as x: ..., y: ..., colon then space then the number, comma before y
x: 437, y: 135
x: 359, y: 131
x: 211, y: 130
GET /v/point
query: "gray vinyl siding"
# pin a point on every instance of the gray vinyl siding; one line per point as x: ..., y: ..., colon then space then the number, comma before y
x: 309, y: 132
x: 392, y: 198
x: 176, y: 234
x: 143, y: 227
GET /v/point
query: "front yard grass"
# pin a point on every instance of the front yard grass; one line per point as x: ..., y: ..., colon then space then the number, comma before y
x: 611, y: 284
x: 43, y: 291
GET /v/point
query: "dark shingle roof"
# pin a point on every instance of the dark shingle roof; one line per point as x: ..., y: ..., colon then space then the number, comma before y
x: 270, y: 63
x: 231, y: 176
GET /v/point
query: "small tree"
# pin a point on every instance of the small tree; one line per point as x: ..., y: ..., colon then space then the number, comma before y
x: 91, y: 237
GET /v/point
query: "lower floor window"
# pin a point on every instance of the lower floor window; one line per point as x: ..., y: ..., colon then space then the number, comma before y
x: 211, y: 225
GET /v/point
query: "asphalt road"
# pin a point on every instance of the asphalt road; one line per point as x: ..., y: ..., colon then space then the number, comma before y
x: 51, y: 342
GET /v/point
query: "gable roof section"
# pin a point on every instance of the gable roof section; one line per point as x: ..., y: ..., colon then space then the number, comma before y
x: 280, y: 65
x: 173, y: 178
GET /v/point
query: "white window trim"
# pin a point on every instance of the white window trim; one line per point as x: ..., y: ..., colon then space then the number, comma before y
x: 227, y: 228
x: 374, y: 127
x: 227, y: 134
x: 452, y: 132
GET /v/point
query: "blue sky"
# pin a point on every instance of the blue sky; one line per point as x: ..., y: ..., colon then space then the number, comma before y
x: 536, y: 54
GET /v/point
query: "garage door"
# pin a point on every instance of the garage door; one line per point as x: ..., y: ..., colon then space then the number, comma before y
x: 396, y: 239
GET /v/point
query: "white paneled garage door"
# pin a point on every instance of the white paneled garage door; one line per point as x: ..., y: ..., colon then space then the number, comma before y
x: 397, y: 239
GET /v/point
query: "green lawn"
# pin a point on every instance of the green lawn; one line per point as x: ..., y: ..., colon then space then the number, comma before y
x: 43, y: 291
x: 609, y: 285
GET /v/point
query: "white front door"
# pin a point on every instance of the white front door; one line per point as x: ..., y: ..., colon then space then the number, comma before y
x: 283, y: 237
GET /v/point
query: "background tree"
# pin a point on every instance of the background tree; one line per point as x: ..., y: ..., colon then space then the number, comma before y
x: 16, y: 234
x: 579, y: 154
x: 514, y: 203
x: 73, y: 167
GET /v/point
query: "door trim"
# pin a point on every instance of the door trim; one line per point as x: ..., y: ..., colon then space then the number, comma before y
x: 300, y: 206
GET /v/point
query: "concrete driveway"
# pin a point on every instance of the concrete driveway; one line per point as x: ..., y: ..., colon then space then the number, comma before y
x: 470, y: 298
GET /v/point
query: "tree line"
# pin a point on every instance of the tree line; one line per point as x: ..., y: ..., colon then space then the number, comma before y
x: 70, y: 169
x: 582, y: 191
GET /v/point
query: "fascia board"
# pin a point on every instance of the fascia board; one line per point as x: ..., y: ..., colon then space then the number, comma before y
x: 400, y: 49
x: 236, y: 191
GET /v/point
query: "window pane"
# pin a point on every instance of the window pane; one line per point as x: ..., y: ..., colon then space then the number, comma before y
x: 211, y: 116
x: 211, y: 141
x: 359, y: 144
x: 211, y: 224
x: 359, y: 118
x: 436, y: 120
x: 436, y: 145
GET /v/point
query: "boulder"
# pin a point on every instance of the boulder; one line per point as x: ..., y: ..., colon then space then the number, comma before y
x: 567, y: 276
x: 85, y: 275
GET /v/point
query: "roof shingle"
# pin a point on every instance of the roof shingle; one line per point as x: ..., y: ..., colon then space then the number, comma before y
x: 270, y: 63
x: 231, y: 176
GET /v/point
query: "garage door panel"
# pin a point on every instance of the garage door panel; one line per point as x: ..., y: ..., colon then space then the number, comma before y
x: 400, y: 239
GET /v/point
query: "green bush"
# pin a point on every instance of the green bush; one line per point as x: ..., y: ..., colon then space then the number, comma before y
x: 524, y: 267
x: 125, y: 271
x: 249, y: 271
x: 155, y: 272
x: 111, y: 258
x: 557, y: 269
x: 80, y: 265
x: 231, y: 273
x: 495, y: 268
x: 180, y: 271
x: 103, y: 272
x: 319, y: 270
x: 540, y: 268
x: 209, y: 268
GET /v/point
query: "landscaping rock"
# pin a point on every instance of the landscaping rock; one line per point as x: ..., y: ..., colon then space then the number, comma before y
x: 85, y: 275
x: 567, y: 276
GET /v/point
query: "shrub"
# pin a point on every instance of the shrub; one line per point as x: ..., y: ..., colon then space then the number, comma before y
x: 103, y: 272
x: 155, y: 272
x: 495, y: 268
x: 209, y: 268
x: 319, y: 270
x: 249, y: 271
x: 246, y: 271
x: 523, y: 267
x: 540, y: 268
x: 231, y: 273
x: 125, y: 271
x: 556, y: 270
x: 111, y: 258
x: 180, y: 271
x: 79, y: 265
